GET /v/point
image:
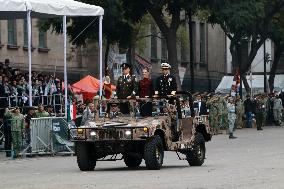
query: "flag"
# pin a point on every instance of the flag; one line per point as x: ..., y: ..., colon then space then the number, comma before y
x: 71, y: 112
x: 235, y: 89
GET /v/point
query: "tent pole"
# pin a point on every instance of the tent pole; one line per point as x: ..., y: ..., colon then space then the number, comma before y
x: 101, y: 54
x: 30, y: 55
x: 65, y: 65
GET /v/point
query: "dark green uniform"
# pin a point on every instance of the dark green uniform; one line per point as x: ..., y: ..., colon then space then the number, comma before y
x: 126, y: 86
x: 17, y: 124
x: 259, y: 113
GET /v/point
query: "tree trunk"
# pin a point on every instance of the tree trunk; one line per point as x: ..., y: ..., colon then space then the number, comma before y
x: 234, y: 57
x: 278, y: 52
x: 172, y: 55
x: 191, y: 58
x: 170, y: 34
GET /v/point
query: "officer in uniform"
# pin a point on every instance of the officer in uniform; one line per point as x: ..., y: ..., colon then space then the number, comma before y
x: 166, y: 83
x: 17, y: 125
x: 126, y: 87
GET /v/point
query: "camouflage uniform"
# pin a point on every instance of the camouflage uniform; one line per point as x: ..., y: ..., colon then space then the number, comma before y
x: 213, y: 114
x: 239, y: 113
x: 231, y: 109
x: 264, y: 101
x: 17, y: 124
x: 277, y: 108
x: 225, y: 119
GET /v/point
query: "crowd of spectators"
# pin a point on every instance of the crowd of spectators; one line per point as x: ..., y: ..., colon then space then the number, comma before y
x: 14, y: 90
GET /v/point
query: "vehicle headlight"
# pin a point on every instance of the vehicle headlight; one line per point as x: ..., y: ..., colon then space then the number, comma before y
x: 93, y: 133
x: 80, y: 131
x: 145, y: 129
x: 128, y: 133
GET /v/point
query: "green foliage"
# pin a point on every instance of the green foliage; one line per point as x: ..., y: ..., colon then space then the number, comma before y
x: 237, y: 17
x: 115, y: 27
x: 183, y: 37
x: 277, y: 29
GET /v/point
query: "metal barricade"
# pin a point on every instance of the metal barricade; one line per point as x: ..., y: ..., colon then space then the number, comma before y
x: 40, y: 133
x: 56, y: 100
x: 50, y: 136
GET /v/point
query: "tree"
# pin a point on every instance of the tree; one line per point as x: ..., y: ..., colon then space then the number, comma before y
x: 166, y: 14
x: 244, y: 21
x: 277, y: 36
x: 116, y: 29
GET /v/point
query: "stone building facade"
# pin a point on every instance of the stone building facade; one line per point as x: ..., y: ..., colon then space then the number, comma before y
x: 47, y: 51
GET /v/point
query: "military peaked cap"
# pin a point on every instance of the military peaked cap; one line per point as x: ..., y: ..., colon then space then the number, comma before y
x: 166, y: 65
x: 125, y: 65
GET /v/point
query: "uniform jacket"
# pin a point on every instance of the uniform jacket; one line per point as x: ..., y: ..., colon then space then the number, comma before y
x: 166, y: 84
x: 277, y: 105
x: 203, y: 108
x: 126, y: 86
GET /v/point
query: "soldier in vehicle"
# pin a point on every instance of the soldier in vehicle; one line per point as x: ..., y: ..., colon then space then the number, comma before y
x: 89, y: 113
x: 166, y: 83
x: 127, y: 84
x: 126, y: 87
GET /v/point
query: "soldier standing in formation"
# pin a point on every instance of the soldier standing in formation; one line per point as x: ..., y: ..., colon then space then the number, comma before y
x: 166, y: 83
x: 259, y: 112
x: 17, y: 125
x: 231, y: 117
x: 212, y: 105
x: 224, y: 109
x: 277, y: 110
x: 239, y: 112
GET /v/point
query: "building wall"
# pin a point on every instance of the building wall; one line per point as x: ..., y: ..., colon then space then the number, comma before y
x: 80, y: 61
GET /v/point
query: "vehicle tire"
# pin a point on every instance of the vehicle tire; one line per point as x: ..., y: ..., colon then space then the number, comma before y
x: 196, y: 156
x: 154, y: 153
x: 131, y: 160
x: 85, y: 160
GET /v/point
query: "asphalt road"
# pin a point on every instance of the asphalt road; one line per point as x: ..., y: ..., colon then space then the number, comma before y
x: 253, y: 160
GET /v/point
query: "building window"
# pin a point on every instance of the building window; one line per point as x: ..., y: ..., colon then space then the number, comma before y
x: 12, y: 32
x: 42, y: 40
x: 164, y: 49
x: 153, y: 42
x: 25, y: 33
x: 202, y: 43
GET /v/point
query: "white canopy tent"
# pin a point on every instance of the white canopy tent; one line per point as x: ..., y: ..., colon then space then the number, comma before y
x: 15, y: 9
x: 225, y: 85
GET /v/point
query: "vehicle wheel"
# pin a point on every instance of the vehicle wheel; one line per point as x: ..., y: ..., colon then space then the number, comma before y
x: 132, y: 161
x: 154, y: 153
x: 196, y: 156
x: 85, y: 160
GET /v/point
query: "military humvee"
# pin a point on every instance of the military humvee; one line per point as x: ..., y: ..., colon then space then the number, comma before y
x: 171, y: 126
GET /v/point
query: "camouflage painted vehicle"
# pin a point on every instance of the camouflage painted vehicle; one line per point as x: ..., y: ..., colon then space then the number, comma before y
x: 169, y: 128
